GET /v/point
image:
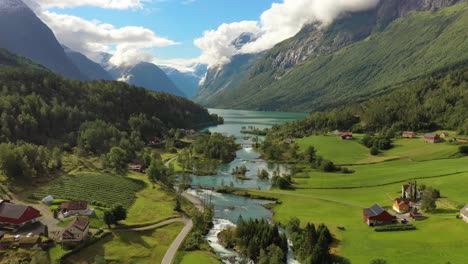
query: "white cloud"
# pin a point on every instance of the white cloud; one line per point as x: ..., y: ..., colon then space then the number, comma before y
x: 109, y: 4
x: 127, y: 44
x: 282, y: 21
x: 216, y: 45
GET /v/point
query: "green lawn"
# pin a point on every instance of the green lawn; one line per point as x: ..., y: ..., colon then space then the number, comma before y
x: 418, y: 150
x: 153, y: 204
x: 197, y: 257
x: 130, y: 247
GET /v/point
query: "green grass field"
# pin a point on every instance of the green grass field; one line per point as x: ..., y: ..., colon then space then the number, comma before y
x: 153, y: 203
x: 130, y: 247
x: 197, y: 257
x: 103, y: 189
x: 438, y: 239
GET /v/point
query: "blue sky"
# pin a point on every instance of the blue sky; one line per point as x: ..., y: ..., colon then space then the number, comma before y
x: 176, y: 19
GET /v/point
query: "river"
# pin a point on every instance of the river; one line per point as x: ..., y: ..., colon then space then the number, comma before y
x: 229, y: 207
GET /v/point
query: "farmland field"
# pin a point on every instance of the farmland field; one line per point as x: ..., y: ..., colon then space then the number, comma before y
x: 100, y: 189
x: 196, y: 257
x: 130, y: 247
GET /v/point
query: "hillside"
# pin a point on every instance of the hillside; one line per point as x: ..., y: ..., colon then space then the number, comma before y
x: 186, y: 82
x: 412, y: 46
x: 23, y: 33
x: 43, y: 108
x: 91, y: 69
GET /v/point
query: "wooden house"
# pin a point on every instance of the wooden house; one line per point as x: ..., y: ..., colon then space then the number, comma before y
x: 376, y: 215
x: 431, y: 138
x: 408, y: 134
x: 74, y: 208
x: 346, y: 135
x: 401, y: 205
x: 137, y: 166
x: 17, y: 214
x: 76, y: 231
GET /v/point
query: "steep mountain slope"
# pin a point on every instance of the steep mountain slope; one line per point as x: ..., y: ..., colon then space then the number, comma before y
x: 89, y: 68
x: 23, y: 33
x: 221, y: 79
x: 146, y: 75
x: 187, y: 82
x: 320, y: 69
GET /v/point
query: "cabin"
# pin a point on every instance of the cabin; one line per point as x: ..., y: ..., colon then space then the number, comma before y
x: 408, y: 134
x: 346, y: 135
x: 153, y: 141
x: 401, y: 205
x: 431, y: 138
x: 76, y: 231
x: 464, y: 213
x: 376, y: 215
x: 75, y: 208
x: 17, y: 215
x: 137, y: 166
x: 410, y: 191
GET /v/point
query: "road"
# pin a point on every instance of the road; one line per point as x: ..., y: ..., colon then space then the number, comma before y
x: 172, y: 250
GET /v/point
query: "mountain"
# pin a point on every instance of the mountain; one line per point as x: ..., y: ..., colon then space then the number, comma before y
x: 91, y: 69
x: 354, y: 58
x: 222, y: 78
x: 187, y: 82
x: 146, y: 75
x: 23, y: 33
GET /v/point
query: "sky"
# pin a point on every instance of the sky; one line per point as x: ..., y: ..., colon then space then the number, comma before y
x: 182, y: 33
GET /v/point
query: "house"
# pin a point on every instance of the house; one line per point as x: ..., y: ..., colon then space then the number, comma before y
x: 431, y: 138
x: 154, y: 141
x: 74, y: 208
x: 408, y: 134
x: 464, y: 213
x: 376, y: 215
x: 17, y: 214
x: 136, y: 166
x: 401, y: 205
x: 48, y: 199
x: 76, y: 231
x: 346, y: 135
x: 410, y: 191
x: 444, y: 135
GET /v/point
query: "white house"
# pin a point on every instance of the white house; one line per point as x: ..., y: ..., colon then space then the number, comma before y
x: 464, y: 213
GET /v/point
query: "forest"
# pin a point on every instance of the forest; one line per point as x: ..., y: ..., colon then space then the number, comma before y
x: 438, y: 101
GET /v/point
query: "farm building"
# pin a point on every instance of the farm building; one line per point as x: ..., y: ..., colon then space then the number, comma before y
x: 136, y: 166
x: 464, y: 213
x: 410, y: 191
x: 346, y: 135
x: 376, y: 215
x: 75, y: 208
x: 76, y: 231
x: 408, y: 134
x: 431, y: 138
x: 401, y: 205
x: 48, y: 199
x: 16, y: 214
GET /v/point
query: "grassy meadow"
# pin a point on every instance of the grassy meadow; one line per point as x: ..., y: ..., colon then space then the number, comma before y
x: 337, y: 200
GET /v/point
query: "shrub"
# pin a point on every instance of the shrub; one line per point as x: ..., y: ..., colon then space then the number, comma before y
x: 374, y: 151
x: 463, y: 149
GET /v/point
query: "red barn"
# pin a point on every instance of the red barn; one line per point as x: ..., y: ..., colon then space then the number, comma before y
x: 346, y: 135
x: 431, y: 138
x: 17, y: 214
x: 376, y: 215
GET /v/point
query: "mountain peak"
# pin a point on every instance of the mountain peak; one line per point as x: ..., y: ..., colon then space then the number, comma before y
x: 13, y: 6
x: 243, y: 39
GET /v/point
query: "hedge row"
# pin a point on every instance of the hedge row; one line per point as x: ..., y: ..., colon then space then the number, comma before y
x: 389, y: 228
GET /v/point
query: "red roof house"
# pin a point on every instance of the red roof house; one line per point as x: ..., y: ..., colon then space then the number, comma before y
x: 346, y: 135
x: 431, y: 138
x: 376, y: 215
x: 17, y: 214
x: 408, y: 134
x: 73, y: 208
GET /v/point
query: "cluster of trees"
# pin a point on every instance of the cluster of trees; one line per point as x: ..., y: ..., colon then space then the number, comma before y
x: 242, y: 170
x: 202, y: 223
x: 158, y: 172
x: 116, y: 214
x: 424, y: 104
x: 216, y: 146
x: 311, y: 245
x: 428, y: 198
x: 25, y: 161
x: 376, y: 143
x: 197, y: 166
x: 319, y: 163
x: 281, y: 182
x: 275, y: 149
x: 257, y: 240
x: 263, y: 174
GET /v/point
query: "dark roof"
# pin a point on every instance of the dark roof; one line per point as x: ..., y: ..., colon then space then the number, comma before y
x: 430, y: 135
x: 374, y: 210
x: 80, y: 205
x: 81, y: 223
x: 13, y: 211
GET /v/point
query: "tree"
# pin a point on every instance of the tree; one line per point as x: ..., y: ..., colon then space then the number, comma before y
x: 311, y: 154
x: 109, y: 218
x: 117, y: 159
x: 177, y: 207
x: 119, y: 212
x: 428, y: 199
x: 46, y: 231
